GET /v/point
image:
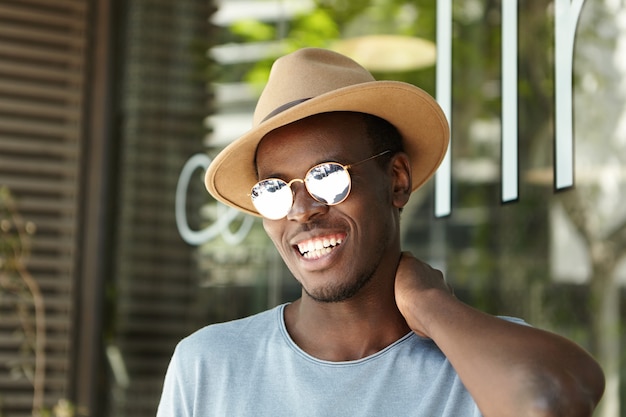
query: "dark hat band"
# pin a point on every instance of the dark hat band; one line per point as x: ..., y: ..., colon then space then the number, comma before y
x: 284, y: 107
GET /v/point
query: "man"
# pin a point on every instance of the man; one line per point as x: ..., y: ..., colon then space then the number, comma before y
x: 330, y: 162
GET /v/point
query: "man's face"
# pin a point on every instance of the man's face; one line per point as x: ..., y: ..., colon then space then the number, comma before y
x: 333, y: 251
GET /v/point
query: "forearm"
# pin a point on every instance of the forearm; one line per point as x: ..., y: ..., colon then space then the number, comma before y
x: 510, y: 369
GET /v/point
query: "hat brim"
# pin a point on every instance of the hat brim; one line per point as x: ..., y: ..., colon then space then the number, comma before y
x: 416, y: 115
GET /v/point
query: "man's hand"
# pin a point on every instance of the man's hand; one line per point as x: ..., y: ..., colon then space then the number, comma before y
x: 415, y: 281
x: 509, y: 369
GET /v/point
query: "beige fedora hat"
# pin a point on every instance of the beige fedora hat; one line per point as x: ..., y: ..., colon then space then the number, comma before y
x: 312, y: 81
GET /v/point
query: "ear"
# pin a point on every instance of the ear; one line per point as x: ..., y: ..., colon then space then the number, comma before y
x: 401, y: 179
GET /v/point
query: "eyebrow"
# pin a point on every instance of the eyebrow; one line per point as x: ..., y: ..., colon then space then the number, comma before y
x: 284, y: 177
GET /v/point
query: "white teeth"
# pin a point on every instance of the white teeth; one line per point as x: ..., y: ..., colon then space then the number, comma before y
x: 317, y: 253
x: 314, y: 249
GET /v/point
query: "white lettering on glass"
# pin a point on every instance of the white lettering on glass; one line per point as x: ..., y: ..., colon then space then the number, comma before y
x: 443, y: 178
x: 225, y: 215
x: 509, y: 163
x: 566, y: 17
x: 567, y: 13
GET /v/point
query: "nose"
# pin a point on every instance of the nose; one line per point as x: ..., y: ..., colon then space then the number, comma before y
x: 304, y: 205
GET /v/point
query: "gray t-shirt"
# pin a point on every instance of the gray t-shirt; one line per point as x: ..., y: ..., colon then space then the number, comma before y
x: 251, y: 367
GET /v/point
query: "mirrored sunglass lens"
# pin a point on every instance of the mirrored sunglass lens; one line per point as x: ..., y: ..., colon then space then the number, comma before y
x: 272, y: 198
x: 328, y: 183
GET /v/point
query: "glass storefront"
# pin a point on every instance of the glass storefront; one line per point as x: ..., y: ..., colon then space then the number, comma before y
x: 527, y: 220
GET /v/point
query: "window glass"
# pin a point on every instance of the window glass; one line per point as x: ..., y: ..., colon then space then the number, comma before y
x: 516, y: 241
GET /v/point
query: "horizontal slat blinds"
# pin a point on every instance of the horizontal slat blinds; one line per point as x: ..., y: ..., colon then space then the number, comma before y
x: 42, y: 78
x: 163, y: 104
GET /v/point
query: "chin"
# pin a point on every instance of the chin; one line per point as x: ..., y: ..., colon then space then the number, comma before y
x: 336, y: 294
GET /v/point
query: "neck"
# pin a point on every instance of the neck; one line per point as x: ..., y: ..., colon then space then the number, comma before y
x: 347, y: 330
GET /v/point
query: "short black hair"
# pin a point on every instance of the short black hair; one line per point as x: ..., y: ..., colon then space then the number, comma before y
x: 382, y: 135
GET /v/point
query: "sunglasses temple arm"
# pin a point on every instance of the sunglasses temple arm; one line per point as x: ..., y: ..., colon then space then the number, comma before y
x: 368, y: 159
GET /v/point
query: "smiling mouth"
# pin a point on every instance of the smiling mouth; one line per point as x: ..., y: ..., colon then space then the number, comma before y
x: 318, y: 247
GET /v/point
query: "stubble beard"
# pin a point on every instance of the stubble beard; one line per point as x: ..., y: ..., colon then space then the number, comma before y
x: 338, y: 293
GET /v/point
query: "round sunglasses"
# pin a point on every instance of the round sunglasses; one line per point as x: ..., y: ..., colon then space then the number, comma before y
x: 328, y: 182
